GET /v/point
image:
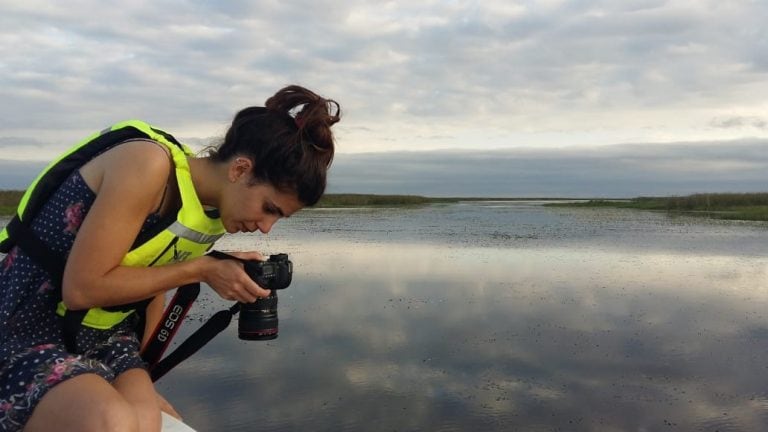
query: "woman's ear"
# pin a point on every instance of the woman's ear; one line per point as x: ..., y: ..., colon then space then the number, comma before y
x: 239, y: 167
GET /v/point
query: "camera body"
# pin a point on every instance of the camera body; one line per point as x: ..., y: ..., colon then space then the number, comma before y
x: 273, y: 274
x: 258, y: 320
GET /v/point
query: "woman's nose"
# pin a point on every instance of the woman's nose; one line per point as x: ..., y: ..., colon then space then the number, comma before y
x: 266, y: 225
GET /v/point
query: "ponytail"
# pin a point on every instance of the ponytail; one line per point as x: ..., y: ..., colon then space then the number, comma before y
x: 289, y: 139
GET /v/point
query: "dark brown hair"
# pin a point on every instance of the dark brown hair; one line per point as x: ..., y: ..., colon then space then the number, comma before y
x: 289, y: 140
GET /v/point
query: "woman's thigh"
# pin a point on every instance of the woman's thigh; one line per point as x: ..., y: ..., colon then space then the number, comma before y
x: 84, y: 403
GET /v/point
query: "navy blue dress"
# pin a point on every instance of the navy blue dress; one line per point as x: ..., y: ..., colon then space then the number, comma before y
x: 32, y: 354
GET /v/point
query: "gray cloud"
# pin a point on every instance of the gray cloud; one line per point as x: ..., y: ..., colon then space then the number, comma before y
x: 6, y: 142
x: 739, y: 121
x: 612, y: 171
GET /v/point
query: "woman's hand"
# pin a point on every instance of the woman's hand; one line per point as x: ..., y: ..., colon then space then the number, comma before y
x: 228, y: 278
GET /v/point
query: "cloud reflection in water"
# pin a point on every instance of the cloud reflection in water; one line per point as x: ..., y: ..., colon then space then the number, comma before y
x: 399, y: 335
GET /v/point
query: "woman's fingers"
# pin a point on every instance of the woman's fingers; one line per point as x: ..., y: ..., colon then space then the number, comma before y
x: 231, y: 282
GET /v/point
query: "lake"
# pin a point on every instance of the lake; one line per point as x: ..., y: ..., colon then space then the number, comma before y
x: 495, y: 316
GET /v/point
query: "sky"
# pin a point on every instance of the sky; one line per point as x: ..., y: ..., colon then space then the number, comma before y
x: 579, y: 98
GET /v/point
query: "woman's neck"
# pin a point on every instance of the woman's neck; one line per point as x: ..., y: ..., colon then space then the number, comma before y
x: 207, y: 178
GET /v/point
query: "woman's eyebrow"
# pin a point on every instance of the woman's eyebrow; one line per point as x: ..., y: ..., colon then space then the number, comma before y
x: 275, y: 208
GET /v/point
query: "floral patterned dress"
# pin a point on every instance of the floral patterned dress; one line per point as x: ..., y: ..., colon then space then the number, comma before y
x: 32, y: 354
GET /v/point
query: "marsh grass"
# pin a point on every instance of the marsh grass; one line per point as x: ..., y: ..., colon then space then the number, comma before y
x: 363, y: 200
x: 9, y: 199
x: 736, y: 206
x: 732, y: 206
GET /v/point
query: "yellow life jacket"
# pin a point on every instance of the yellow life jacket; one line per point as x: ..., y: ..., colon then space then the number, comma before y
x: 189, y: 234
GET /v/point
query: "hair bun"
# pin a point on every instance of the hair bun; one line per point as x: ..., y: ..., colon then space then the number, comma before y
x: 305, y: 106
x: 312, y: 114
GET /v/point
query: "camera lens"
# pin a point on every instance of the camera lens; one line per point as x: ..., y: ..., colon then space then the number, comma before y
x: 258, y: 320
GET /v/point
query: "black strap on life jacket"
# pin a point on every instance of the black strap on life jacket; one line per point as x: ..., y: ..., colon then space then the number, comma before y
x: 52, y: 262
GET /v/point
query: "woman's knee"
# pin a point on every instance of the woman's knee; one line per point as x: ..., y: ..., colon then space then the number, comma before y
x: 114, y: 415
x: 148, y: 415
x: 136, y: 387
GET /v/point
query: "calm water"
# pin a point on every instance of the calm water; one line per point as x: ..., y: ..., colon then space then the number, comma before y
x: 495, y: 317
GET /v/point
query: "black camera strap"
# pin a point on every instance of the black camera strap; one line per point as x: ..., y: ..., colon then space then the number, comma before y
x: 221, y: 255
x: 169, y: 324
x: 215, y: 325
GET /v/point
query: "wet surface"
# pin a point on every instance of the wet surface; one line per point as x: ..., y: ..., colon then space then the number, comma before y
x: 495, y: 317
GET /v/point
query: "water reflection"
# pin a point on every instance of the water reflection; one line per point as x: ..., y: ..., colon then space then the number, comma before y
x: 432, y: 320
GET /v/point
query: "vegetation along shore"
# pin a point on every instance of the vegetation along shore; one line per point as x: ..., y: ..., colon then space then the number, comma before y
x: 9, y: 199
x: 732, y: 206
x: 735, y: 206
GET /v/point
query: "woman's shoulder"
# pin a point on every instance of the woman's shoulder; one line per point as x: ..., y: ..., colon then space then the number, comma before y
x: 141, y: 159
x: 141, y: 149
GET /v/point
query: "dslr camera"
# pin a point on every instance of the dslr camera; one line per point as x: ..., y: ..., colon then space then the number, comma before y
x: 258, y: 320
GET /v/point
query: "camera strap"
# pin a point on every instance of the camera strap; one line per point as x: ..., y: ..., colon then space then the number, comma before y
x: 169, y: 324
x: 215, y: 325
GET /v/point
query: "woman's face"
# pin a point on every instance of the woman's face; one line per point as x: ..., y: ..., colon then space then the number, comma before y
x: 248, y: 207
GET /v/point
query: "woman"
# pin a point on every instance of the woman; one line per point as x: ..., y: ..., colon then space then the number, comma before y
x: 129, y: 223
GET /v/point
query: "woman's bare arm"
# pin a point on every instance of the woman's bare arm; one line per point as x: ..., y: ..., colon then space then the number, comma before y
x: 155, y: 311
x: 132, y: 180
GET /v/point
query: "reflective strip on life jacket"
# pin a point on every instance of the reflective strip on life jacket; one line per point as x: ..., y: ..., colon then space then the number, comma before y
x: 191, y: 234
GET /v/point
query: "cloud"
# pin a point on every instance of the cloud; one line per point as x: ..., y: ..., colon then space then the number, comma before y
x: 629, y: 327
x: 642, y: 70
x: 10, y: 142
x: 608, y: 171
x: 739, y: 121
